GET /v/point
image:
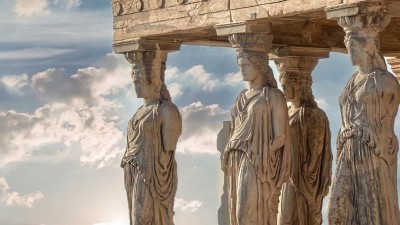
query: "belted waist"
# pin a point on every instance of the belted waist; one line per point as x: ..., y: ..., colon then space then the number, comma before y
x: 353, y: 131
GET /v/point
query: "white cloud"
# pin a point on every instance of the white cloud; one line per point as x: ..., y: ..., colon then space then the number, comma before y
x: 60, y: 30
x: 201, y: 125
x: 197, y: 79
x: 29, y: 8
x: 34, y: 53
x: 234, y: 78
x: 77, y: 110
x: 69, y: 4
x: 202, y: 77
x: 14, y: 198
x: 322, y: 103
x: 190, y: 206
x: 171, y: 73
x: 73, y: 3
x: 175, y: 89
x: 14, y: 82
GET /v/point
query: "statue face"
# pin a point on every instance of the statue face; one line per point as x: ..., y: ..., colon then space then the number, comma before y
x: 142, y: 89
x: 247, y: 69
x: 356, y: 50
x: 290, y: 90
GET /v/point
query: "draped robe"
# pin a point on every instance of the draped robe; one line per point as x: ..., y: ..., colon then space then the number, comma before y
x: 149, y: 163
x: 256, y: 171
x: 311, y: 167
x: 364, y: 190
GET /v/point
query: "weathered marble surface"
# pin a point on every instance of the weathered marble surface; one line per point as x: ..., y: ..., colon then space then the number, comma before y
x: 257, y: 154
x: 222, y: 139
x: 299, y: 23
x: 364, y: 191
x: 149, y: 161
x: 310, y: 175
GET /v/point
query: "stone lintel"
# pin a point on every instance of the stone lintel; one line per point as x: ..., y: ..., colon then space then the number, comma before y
x: 395, y: 64
x: 352, y: 9
x: 140, y: 44
x: 242, y: 27
x: 296, y: 51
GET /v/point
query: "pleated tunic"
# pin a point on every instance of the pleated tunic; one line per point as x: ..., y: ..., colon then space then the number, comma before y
x: 310, y: 176
x: 365, y: 188
x: 149, y: 163
x: 255, y: 171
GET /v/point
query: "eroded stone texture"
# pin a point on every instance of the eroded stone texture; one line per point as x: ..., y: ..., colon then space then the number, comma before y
x: 299, y: 23
x: 311, y: 162
x: 149, y: 161
x: 222, y: 139
x: 256, y: 158
x: 364, y: 190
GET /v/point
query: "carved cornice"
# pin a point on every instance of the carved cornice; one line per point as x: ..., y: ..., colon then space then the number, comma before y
x: 124, y: 7
x: 140, y: 44
x: 352, y: 9
x: 296, y: 51
x: 242, y: 27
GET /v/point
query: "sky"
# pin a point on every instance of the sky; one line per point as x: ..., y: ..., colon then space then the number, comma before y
x: 66, y: 99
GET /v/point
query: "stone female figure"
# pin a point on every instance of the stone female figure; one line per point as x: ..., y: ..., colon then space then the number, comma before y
x: 149, y: 161
x: 256, y: 157
x: 310, y: 174
x: 364, y: 191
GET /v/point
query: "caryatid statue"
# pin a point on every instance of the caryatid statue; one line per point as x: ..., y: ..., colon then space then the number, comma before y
x: 310, y: 175
x: 364, y: 190
x: 257, y: 154
x: 149, y: 161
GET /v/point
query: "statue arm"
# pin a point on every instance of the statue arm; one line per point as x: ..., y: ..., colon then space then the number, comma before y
x: 320, y: 155
x: 389, y: 102
x: 280, y: 119
x: 316, y: 138
x: 124, y: 160
x: 171, y: 127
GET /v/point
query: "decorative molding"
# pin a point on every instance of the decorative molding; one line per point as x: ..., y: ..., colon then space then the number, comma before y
x: 242, y: 27
x: 360, y: 8
x: 118, y: 9
x: 140, y: 44
x: 296, y: 51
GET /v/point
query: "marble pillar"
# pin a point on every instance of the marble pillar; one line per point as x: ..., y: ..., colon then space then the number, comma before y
x: 150, y: 170
x: 364, y: 190
x: 257, y: 154
x: 311, y: 163
x: 222, y: 139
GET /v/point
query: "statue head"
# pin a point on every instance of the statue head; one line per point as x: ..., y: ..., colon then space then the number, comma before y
x: 297, y: 88
x: 296, y: 80
x: 362, y: 38
x: 253, y: 64
x: 148, y: 74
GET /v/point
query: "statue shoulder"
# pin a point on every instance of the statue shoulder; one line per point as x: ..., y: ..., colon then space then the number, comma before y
x: 387, y: 82
x: 274, y: 94
x: 317, y: 119
x: 169, y: 110
x: 315, y: 112
x: 385, y: 77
